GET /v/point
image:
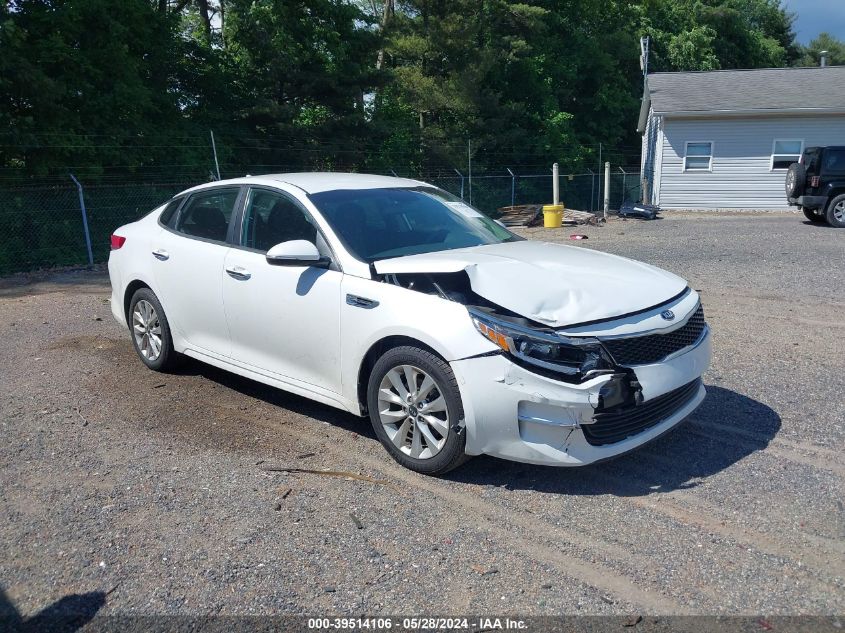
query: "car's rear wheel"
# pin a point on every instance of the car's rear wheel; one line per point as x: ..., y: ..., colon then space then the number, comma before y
x: 415, y: 408
x: 151, y: 331
x: 812, y: 216
x: 836, y: 212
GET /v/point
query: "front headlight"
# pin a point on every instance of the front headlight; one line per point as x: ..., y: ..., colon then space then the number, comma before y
x: 567, y: 358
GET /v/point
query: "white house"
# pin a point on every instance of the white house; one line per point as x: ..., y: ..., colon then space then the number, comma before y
x: 723, y: 139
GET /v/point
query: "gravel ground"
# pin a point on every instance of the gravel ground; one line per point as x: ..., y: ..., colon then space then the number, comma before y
x: 150, y: 487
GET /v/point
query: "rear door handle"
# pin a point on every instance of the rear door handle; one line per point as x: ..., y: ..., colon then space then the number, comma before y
x: 161, y: 254
x: 238, y: 272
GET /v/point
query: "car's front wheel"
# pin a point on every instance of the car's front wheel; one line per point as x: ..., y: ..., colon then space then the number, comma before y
x: 812, y: 216
x: 415, y: 408
x: 151, y: 331
x: 836, y: 212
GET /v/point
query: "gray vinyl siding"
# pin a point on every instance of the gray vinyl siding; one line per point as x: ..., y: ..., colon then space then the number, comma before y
x: 649, y: 154
x: 741, y: 177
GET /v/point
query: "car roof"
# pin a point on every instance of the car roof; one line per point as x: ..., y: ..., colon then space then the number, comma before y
x: 317, y: 182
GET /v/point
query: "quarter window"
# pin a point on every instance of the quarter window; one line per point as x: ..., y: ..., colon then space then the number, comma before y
x: 206, y: 214
x: 785, y: 152
x: 167, y: 216
x: 698, y: 156
x: 271, y: 218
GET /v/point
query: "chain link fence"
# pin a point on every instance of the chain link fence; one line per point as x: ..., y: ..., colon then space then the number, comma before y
x: 53, y: 225
x: 44, y: 227
x: 584, y: 192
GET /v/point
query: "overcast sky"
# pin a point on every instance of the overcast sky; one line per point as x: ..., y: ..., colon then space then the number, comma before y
x: 815, y: 16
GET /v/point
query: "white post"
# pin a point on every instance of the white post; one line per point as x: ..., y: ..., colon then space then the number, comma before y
x: 606, y: 188
x: 555, y: 185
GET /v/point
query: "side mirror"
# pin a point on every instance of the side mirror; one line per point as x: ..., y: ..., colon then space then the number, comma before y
x: 296, y: 253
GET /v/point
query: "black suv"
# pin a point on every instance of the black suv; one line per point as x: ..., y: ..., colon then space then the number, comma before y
x: 817, y: 184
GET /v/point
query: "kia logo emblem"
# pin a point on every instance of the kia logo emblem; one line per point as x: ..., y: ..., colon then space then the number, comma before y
x: 667, y: 315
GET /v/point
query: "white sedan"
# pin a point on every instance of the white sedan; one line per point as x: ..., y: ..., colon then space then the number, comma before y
x: 391, y: 298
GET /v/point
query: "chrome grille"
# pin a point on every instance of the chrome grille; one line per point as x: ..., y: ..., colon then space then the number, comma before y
x: 614, y: 426
x: 652, y: 348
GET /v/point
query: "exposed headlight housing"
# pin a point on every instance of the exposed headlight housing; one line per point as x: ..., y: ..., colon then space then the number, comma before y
x: 572, y: 359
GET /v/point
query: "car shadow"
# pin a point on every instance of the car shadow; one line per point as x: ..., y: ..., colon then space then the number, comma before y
x: 726, y: 428
x: 278, y: 397
x: 66, y: 615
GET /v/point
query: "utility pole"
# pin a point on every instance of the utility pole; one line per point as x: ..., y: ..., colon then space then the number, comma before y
x: 644, y: 42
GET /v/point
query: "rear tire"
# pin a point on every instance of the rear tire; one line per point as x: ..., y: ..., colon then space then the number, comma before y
x: 812, y: 216
x: 416, y: 410
x: 836, y: 212
x: 151, y: 332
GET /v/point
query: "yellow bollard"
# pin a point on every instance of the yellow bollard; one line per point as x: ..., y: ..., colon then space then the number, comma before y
x: 552, y: 215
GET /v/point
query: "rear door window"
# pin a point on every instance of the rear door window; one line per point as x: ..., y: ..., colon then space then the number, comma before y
x: 207, y: 214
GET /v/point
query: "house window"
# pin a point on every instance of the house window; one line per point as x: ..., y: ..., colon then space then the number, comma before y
x: 785, y: 152
x: 698, y: 156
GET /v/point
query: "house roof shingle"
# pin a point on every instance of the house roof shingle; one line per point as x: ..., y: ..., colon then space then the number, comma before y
x: 763, y: 90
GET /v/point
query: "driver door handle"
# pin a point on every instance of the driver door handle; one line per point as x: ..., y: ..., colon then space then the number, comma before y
x: 238, y: 272
x: 161, y: 254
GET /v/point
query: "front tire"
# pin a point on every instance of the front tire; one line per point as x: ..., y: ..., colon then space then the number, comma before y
x: 812, y: 216
x: 836, y: 212
x: 151, y: 332
x: 416, y: 410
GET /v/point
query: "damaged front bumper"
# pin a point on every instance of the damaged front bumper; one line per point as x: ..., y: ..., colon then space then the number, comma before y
x: 518, y: 415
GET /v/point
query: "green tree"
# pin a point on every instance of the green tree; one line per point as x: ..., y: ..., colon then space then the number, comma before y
x: 75, y: 71
x: 811, y: 54
x: 714, y: 34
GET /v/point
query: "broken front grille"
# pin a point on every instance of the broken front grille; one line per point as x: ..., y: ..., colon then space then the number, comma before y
x: 652, y: 348
x: 614, y: 426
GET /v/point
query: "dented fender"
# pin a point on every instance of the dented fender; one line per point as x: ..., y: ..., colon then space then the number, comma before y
x: 442, y: 325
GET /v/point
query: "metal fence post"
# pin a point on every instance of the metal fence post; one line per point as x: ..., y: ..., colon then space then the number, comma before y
x: 624, y: 191
x: 84, y: 220
x: 462, y: 182
x: 469, y: 167
x: 513, y: 186
x: 214, y: 149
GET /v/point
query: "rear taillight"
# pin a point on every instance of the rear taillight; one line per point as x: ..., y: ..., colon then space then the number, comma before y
x: 117, y: 241
x: 814, y: 181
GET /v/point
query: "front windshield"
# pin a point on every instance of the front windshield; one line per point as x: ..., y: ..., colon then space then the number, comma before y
x: 382, y: 223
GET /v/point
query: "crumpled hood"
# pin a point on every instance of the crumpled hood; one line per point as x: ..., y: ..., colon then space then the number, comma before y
x: 553, y: 284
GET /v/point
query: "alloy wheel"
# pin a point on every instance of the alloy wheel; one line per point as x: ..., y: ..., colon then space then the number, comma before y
x: 413, y: 411
x: 839, y: 212
x: 146, y: 328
